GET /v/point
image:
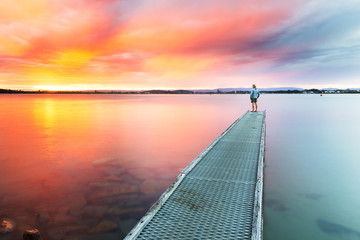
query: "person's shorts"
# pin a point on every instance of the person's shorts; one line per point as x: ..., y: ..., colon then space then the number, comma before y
x: 253, y: 100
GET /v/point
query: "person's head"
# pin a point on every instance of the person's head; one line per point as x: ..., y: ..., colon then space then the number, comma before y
x: 254, y: 86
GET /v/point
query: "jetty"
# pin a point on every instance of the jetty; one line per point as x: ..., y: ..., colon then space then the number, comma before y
x: 219, y: 195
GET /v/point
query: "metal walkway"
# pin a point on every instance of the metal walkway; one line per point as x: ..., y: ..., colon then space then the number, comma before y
x: 219, y: 195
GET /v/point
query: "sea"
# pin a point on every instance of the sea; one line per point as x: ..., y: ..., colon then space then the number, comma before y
x: 89, y: 166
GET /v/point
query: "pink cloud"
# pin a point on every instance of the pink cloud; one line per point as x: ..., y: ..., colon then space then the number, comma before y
x: 175, y: 26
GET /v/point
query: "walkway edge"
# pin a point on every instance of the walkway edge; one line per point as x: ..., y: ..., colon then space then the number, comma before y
x: 257, y: 225
x: 159, y: 203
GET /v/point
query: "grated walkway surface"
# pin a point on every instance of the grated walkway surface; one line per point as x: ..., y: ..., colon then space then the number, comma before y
x: 214, y: 197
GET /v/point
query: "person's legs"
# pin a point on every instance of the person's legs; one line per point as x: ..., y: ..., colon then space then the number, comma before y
x: 255, y: 107
x: 252, y: 106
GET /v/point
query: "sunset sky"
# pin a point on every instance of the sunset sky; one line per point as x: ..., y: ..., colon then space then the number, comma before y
x: 171, y: 44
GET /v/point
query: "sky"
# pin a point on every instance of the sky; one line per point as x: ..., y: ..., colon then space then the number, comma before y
x: 179, y: 44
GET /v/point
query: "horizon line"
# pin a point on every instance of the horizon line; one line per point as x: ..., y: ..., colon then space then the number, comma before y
x: 181, y: 89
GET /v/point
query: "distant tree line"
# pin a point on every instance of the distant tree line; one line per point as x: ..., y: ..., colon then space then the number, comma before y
x: 216, y: 91
x: 10, y: 91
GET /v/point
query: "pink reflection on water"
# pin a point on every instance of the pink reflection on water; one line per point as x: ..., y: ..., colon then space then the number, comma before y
x: 79, y: 165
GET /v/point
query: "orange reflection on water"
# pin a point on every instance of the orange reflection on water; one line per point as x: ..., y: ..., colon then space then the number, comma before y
x: 72, y: 161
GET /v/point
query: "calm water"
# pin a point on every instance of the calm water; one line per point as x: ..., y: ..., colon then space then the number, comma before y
x: 312, y: 167
x: 89, y: 166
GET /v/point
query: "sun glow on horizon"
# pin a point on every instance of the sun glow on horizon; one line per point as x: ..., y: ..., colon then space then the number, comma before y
x: 64, y: 88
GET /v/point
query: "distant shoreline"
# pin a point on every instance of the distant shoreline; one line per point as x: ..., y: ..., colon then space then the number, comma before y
x: 198, y: 92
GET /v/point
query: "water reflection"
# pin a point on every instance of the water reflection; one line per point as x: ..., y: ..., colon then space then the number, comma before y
x: 336, y: 229
x: 90, y: 166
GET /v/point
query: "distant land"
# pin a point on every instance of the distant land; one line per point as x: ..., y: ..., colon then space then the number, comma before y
x: 281, y: 90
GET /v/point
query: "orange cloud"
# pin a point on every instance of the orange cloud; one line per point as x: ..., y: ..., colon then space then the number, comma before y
x: 171, y: 66
x: 73, y: 58
x: 22, y: 10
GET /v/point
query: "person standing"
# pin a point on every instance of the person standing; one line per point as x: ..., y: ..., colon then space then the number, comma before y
x: 254, y: 95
